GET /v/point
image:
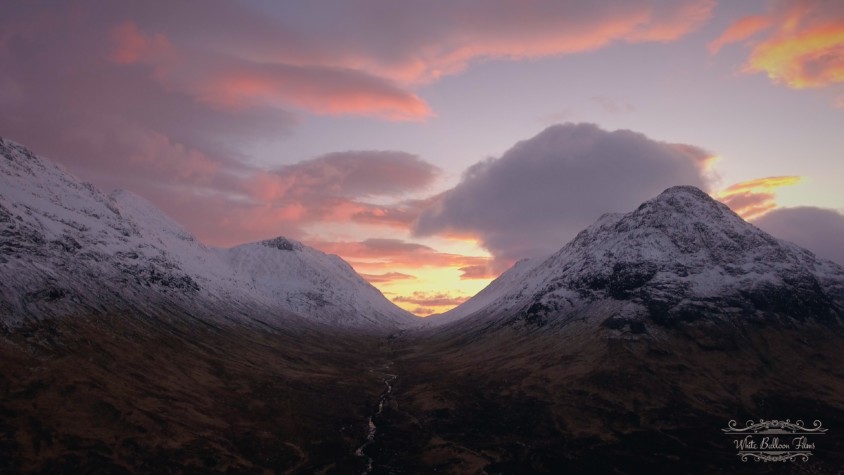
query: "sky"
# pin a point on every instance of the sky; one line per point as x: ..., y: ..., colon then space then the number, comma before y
x: 432, y: 144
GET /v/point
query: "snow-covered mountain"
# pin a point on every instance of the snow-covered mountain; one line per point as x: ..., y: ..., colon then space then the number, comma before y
x: 67, y: 248
x: 617, y: 353
x: 310, y: 282
x: 681, y: 256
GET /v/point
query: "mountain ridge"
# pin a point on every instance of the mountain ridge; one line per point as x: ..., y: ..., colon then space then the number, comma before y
x: 677, y: 255
x: 66, y: 247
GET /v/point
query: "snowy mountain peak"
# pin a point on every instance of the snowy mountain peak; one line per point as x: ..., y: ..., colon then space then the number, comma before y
x: 690, y: 203
x: 682, y: 224
x: 283, y: 244
x: 681, y: 255
x: 688, y: 191
x: 17, y: 153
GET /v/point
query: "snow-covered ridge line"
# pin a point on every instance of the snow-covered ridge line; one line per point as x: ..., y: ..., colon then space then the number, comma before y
x: 681, y: 255
x: 68, y: 248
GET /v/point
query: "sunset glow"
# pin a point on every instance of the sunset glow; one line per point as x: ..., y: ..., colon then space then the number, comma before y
x: 752, y: 199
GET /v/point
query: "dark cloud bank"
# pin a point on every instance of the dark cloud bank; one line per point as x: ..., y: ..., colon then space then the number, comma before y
x: 541, y: 192
x: 817, y: 229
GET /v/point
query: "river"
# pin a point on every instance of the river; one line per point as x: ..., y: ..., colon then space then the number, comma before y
x: 372, y: 429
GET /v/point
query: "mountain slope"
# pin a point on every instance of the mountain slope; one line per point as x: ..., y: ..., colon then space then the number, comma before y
x: 626, y: 352
x: 67, y: 248
x: 680, y: 256
x: 311, y: 282
x: 128, y: 346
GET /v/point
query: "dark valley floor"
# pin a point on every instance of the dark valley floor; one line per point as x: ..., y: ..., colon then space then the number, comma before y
x: 122, y: 395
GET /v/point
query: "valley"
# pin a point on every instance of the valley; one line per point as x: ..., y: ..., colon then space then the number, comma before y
x: 123, y: 395
x: 128, y: 346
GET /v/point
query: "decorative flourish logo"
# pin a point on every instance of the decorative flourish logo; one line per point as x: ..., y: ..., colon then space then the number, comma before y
x: 774, y: 440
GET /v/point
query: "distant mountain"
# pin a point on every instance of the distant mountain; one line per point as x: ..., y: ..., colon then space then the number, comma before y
x: 68, y: 249
x: 679, y: 257
x: 312, y: 283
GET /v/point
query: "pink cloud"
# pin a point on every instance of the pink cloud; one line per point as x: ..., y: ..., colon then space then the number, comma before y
x: 335, y: 187
x: 740, y: 30
x: 226, y: 205
x: 156, y: 153
x: 440, y: 40
x: 357, y: 174
x: 162, y: 97
x: 319, y: 90
x: 238, y: 82
x: 131, y: 46
x: 423, y: 311
x: 400, y: 215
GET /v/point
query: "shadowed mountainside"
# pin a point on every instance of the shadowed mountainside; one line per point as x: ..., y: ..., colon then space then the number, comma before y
x: 576, y: 397
x: 120, y: 394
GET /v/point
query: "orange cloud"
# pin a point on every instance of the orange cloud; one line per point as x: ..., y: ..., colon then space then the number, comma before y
x: 811, y: 58
x: 764, y: 184
x: 481, y: 271
x: 805, y: 48
x: 387, y: 254
x: 387, y: 277
x: 752, y: 199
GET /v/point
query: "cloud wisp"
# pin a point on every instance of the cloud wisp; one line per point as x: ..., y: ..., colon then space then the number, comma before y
x: 387, y: 277
x: 753, y: 198
x: 428, y: 303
